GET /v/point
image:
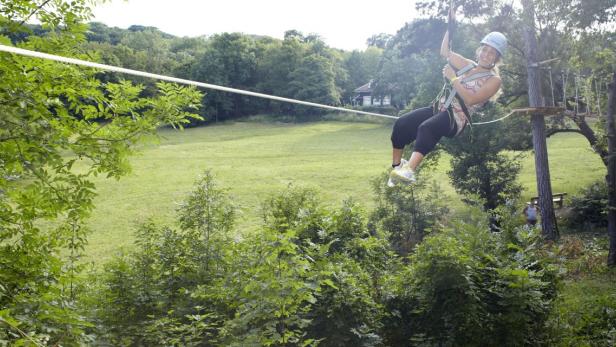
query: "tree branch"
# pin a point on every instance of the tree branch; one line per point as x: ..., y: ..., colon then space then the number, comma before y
x: 33, y: 12
x: 550, y: 132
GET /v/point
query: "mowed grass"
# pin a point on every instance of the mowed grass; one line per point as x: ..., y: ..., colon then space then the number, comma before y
x: 256, y: 160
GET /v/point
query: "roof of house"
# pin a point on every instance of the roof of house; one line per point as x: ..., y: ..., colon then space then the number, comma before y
x: 366, y: 88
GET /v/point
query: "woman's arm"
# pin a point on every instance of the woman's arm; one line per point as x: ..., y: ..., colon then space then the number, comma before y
x: 445, y: 46
x: 453, y: 58
x: 487, y: 90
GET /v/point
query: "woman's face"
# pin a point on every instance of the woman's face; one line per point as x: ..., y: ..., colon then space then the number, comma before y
x: 487, y: 55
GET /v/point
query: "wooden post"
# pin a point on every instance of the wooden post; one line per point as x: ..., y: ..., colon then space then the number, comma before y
x: 611, y: 170
x: 542, y: 169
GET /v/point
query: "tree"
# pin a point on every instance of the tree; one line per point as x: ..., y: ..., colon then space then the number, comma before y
x: 279, y: 59
x: 229, y: 60
x: 406, y: 214
x: 165, y: 291
x: 314, y: 80
x: 478, y: 165
x: 378, y: 40
x: 544, y: 186
x: 611, y: 172
x: 56, y: 117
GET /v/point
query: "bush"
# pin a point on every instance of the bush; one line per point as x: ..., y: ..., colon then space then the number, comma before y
x: 347, y: 312
x: 466, y: 286
x: 406, y: 213
x: 324, y: 263
x: 145, y: 296
x: 583, y: 256
x: 589, y: 207
x: 320, y: 276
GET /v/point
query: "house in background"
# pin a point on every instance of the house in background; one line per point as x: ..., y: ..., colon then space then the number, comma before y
x: 363, y: 97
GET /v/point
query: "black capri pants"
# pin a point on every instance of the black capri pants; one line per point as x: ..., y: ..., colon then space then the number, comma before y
x: 424, y: 127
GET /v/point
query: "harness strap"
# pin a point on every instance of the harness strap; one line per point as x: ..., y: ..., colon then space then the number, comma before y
x: 467, y: 79
x: 459, y: 73
x: 465, y: 69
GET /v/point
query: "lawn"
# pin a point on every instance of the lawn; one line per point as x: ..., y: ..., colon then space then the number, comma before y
x: 254, y: 160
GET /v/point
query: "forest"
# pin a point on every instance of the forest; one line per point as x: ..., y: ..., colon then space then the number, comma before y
x: 409, y: 271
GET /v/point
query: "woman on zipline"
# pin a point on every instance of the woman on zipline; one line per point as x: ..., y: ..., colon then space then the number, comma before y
x: 473, y: 83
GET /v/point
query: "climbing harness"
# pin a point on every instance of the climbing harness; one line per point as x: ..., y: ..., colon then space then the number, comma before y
x: 448, y: 92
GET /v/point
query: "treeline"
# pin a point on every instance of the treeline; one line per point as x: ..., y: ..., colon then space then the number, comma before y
x: 299, y: 67
x: 405, y: 66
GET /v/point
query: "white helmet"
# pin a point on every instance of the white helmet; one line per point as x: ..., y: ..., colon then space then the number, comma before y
x: 496, y: 40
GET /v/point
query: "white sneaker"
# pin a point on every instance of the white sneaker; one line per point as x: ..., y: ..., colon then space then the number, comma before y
x: 391, y: 182
x: 402, y: 173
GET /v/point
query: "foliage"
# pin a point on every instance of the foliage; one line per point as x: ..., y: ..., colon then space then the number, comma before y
x: 146, y: 294
x: 466, y: 286
x: 314, y: 81
x: 53, y: 116
x: 478, y: 165
x: 209, y: 215
x: 378, y: 40
x: 229, y: 60
x: 406, y: 213
x: 585, y: 315
x: 347, y: 260
x: 277, y: 288
x: 347, y: 312
x: 589, y: 207
x: 583, y: 256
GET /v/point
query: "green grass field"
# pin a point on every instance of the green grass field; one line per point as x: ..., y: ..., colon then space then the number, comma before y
x: 254, y: 160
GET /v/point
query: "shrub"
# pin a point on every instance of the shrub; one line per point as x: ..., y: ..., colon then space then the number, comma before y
x: 466, y: 286
x: 346, y: 312
x: 272, y: 290
x: 146, y: 295
x: 318, y: 276
x: 583, y: 256
x: 589, y: 207
x: 310, y: 276
x: 406, y: 213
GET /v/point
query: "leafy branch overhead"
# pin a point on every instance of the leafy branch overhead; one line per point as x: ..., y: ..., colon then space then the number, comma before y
x: 53, y: 116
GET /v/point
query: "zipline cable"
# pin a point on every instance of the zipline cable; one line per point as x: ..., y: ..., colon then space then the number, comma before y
x: 74, y: 61
x: 494, y: 120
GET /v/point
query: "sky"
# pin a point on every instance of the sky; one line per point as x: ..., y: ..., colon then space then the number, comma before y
x: 341, y: 24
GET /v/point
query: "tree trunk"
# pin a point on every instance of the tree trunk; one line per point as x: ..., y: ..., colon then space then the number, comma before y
x: 544, y: 187
x: 611, y: 171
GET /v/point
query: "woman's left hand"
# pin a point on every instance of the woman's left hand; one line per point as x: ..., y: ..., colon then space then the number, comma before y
x: 448, y: 72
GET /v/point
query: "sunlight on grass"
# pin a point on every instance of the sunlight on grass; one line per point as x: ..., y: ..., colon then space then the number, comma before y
x: 255, y: 160
x: 573, y: 165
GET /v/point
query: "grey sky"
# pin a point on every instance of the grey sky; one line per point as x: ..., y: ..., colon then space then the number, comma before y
x: 342, y: 24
